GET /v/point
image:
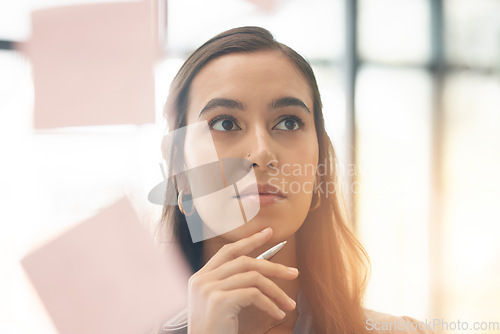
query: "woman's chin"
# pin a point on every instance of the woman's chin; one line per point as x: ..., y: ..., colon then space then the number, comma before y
x: 281, y: 230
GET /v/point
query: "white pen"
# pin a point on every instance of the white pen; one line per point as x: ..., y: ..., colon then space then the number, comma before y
x: 271, y: 252
x: 179, y: 321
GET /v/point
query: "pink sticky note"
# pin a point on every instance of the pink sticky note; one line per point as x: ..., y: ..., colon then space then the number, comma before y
x: 93, y: 64
x: 106, y: 276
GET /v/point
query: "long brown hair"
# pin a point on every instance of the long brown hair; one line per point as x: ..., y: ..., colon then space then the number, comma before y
x: 334, y: 272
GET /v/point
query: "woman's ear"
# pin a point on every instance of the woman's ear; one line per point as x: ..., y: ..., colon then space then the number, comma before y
x: 176, y: 168
x: 182, y: 183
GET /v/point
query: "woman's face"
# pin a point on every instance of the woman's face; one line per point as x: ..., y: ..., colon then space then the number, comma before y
x: 260, y: 103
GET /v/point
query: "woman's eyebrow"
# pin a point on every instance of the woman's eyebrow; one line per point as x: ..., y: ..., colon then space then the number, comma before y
x: 287, y: 102
x: 234, y: 104
x: 222, y: 102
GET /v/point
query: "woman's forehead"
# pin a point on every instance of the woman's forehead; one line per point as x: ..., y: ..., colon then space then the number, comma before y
x: 266, y: 62
x: 261, y: 75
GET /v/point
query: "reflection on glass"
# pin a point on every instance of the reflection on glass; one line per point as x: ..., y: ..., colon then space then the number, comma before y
x: 473, y: 32
x: 394, y: 30
x: 472, y: 192
x: 313, y: 28
x: 393, y: 152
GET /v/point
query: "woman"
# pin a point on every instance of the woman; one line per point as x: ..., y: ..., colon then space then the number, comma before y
x: 261, y: 103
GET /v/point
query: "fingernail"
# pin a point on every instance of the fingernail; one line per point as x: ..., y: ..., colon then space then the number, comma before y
x: 292, y: 302
x: 281, y: 313
x: 293, y: 270
x: 266, y: 230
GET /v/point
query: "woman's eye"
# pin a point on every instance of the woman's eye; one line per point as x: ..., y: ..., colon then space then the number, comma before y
x: 288, y: 124
x: 224, y: 125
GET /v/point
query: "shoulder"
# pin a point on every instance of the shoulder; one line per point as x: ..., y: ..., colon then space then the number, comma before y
x: 383, y: 323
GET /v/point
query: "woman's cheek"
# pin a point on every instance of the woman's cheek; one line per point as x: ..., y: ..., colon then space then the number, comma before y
x: 300, y: 184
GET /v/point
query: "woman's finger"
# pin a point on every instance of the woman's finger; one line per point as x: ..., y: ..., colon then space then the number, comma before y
x: 257, y: 280
x: 244, y: 246
x: 246, y: 263
x: 249, y: 296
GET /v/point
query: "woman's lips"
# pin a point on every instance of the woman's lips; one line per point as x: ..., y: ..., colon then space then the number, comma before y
x: 263, y: 199
x: 265, y: 194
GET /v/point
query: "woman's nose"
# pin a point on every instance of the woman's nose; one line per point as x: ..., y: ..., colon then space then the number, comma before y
x: 261, y: 149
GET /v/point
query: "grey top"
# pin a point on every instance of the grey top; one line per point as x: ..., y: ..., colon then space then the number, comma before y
x: 304, y: 322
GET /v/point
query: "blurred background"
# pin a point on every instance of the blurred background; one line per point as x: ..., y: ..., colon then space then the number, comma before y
x: 411, y: 95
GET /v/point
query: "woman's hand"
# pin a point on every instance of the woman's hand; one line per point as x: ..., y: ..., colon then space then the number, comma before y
x: 231, y: 281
